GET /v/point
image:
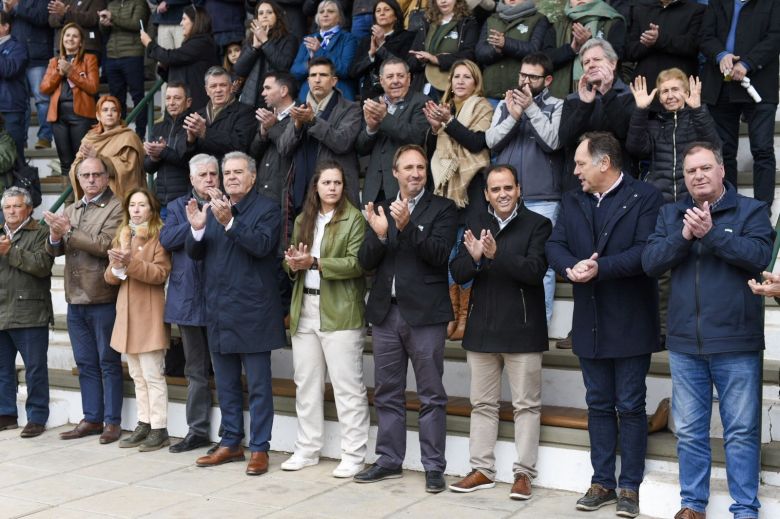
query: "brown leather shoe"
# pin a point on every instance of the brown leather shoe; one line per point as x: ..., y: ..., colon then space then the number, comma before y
x: 31, y: 430
x: 258, y: 464
x: 220, y: 456
x: 475, y: 480
x: 687, y: 513
x: 111, y: 433
x: 521, y: 490
x: 84, y: 428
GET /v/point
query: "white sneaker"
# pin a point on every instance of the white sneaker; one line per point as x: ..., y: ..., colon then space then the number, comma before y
x: 295, y: 462
x: 347, y: 469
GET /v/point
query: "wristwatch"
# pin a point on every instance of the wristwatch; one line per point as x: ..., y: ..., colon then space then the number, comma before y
x: 315, y: 265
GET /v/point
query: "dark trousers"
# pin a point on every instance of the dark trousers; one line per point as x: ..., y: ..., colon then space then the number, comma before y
x: 196, y: 369
x: 615, y: 392
x: 395, y: 343
x: 32, y: 343
x: 227, y: 372
x: 68, y: 130
x: 128, y: 74
x: 100, y: 367
x: 761, y: 132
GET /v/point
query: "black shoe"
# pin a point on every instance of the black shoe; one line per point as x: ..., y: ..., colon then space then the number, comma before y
x: 376, y: 473
x: 190, y: 442
x: 628, y: 504
x: 8, y: 422
x: 596, y: 497
x: 434, y: 481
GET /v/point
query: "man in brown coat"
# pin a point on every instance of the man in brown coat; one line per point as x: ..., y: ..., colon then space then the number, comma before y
x: 83, y: 234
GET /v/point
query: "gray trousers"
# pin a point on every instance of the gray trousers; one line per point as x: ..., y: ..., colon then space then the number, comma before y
x: 395, y: 343
x: 196, y: 369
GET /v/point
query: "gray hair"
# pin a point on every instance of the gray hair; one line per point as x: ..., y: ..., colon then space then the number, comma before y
x: 214, y: 71
x: 609, y: 50
x: 392, y: 61
x: 250, y: 162
x: 202, y: 158
x: 13, y: 192
x: 338, y: 9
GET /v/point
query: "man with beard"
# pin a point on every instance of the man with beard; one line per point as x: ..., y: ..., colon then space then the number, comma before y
x: 524, y: 134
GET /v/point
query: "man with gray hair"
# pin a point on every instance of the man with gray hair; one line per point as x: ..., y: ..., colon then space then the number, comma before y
x: 185, y: 305
x: 224, y: 124
x: 236, y: 236
x: 83, y: 234
x: 25, y: 311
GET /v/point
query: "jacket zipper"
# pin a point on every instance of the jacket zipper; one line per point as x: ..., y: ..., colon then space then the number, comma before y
x: 698, y: 302
x: 525, y: 313
x: 674, y: 157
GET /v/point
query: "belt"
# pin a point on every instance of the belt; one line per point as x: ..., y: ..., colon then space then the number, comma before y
x: 311, y: 291
x: 393, y: 301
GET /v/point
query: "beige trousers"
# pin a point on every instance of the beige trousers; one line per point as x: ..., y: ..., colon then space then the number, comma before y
x: 524, y: 371
x: 341, y: 354
x: 151, y: 390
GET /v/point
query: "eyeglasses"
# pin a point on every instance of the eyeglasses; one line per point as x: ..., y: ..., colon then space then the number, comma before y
x: 530, y: 77
x: 90, y: 175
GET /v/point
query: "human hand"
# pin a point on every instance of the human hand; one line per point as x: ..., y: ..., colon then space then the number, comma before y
x: 639, y: 89
x: 694, y: 98
x: 57, y: 8
x: 399, y: 210
x: 5, y: 245
x: 377, y: 39
x: 266, y: 118
x: 196, y: 216
x: 579, y: 35
x: 59, y: 225
x: 63, y: 66
x: 606, y: 75
x: 727, y: 63
x: 739, y: 72
x: 585, y: 90
x: 195, y: 125
x: 119, y: 258
x: 220, y: 207
x: 145, y: 38
x: 104, y: 18
x: 303, y: 114
x: 259, y: 33
x: 515, y: 110
x: 769, y: 287
x: 698, y: 220
x: 298, y: 258
x: 489, y: 245
x: 312, y: 44
x: 523, y: 96
x: 425, y: 57
x: 162, y: 7
x: 496, y: 39
x: 377, y: 220
x: 649, y: 37
x: 473, y: 245
x: 88, y: 150
x: 584, y: 270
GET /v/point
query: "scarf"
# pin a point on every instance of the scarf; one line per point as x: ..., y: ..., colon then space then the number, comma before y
x: 510, y: 13
x: 591, y: 16
x: 453, y: 166
x: 328, y: 35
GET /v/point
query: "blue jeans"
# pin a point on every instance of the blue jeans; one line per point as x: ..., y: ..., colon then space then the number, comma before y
x: 34, y: 77
x: 737, y: 378
x: 361, y: 25
x: 550, y: 210
x: 227, y: 374
x: 453, y: 255
x: 615, y: 391
x: 124, y: 74
x: 33, y: 344
x: 100, y: 367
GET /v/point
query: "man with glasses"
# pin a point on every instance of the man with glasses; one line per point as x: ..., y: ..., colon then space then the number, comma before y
x: 324, y: 128
x: 524, y: 134
x: 390, y: 121
x: 83, y: 234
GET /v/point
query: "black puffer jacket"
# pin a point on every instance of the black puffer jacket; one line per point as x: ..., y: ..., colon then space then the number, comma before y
x: 173, y: 173
x: 275, y: 55
x: 662, y: 138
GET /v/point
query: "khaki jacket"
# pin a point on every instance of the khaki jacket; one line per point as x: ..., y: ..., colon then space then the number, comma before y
x: 139, y: 326
x: 93, y: 227
x: 25, y: 279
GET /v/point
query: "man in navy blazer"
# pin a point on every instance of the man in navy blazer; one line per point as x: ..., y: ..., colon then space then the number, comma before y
x: 236, y: 235
x: 597, y: 244
x: 408, y: 244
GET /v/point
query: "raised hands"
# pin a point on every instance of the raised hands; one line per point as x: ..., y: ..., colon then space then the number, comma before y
x: 585, y: 90
x: 584, y: 270
x: 259, y: 33
x: 639, y: 89
x: 694, y: 98
x: 266, y: 118
x: 63, y: 66
x: 485, y: 245
x: 496, y: 39
x: 312, y: 44
x: 196, y: 216
x: 153, y: 149
x: 377, y: 39
x: 377, y: 220
x: 57, y: 8
x: 220, y: 205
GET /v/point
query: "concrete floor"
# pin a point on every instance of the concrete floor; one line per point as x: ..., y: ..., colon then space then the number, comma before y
x: 46, y: 477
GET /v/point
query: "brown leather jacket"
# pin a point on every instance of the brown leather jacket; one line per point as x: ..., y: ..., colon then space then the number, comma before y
x: 84, y: 75
x: 93, y: 226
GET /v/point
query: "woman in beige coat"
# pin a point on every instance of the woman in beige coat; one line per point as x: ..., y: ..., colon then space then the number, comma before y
x: 140, y: 266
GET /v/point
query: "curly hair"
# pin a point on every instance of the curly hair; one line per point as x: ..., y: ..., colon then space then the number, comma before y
x: 433, y: 14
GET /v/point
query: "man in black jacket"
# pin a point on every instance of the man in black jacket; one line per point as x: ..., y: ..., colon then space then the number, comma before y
x: 503, y: 253
x: 745, y: 48
x: 224, y: 124
x: 166, y: 150
x: 408, y: 244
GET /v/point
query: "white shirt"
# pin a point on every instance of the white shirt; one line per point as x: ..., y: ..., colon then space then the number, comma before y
x: 412, y: 204
x: 312, y: 277
x: 601, y: 196
x: 503, y: 223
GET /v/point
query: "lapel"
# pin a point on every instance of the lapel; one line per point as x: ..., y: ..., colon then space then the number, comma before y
x: 421, y: 207
x: 624, y: 201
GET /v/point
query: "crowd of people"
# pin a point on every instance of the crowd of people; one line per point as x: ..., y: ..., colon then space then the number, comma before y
x: 458, y: 155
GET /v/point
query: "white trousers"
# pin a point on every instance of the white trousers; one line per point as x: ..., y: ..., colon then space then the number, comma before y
x: 151, y: 390
x: 341, y: 354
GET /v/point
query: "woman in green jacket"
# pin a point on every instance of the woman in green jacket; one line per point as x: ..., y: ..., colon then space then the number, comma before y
x: 326, y: 321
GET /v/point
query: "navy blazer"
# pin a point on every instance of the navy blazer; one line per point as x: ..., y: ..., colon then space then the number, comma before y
x: 417, y: 257
x: 615, y: 314
x: 184, y: 302
x: 240, y: 265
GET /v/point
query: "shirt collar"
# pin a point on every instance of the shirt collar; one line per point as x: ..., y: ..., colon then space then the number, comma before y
x: 602, y: 196
x: 87, y: 201
x: 414, y: 201
x: 10, y: 233
x: 503, y: 223
x: 285, y: 113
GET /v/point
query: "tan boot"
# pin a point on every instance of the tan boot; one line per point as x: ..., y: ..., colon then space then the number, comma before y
x: 455, y: 300
x: 463, y: 313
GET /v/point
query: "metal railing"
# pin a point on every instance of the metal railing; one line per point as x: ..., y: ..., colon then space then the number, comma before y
x: 147, y: 103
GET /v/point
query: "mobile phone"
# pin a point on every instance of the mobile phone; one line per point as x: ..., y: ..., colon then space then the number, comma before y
x: 141, y: 22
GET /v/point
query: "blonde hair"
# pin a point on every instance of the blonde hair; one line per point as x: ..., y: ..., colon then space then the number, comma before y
x: 673, y: 73
x: 472, y: 67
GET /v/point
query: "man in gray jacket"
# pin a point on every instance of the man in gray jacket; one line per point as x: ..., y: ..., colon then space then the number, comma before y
x: 524, y: 134
x: 25, y: 311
